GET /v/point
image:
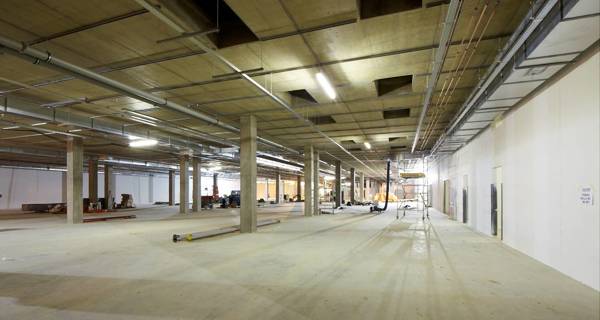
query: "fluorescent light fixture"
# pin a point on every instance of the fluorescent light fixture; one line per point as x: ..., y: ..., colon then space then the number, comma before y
x: 13, y: 127
x: 132, y: 137
x: 39, y: 124
x: 144, y: 121
x: 367, y: 145
x: 143, y: 143
x: 75, y: 130
x: 326, y: 85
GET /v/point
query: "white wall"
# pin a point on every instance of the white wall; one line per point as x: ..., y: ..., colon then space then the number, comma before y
x: 18, y: 186
x: 548, y: 149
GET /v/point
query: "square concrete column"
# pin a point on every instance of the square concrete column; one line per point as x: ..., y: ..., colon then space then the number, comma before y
x: 299, y: 188
x: 316, y: 182
x: 93, y: 180
x: 75, y: 180
x: 308, y: 180
x: 196, y: 185
x: 151, y: 188
x: 361, y: 187
x: 171, y: 187
x: 278, y: 188
x: 338, y: 184
x: 109, y: 190
x: 184, y: 184
x: 215, y: 188
x: 352, y: 184
x: 248, y: 174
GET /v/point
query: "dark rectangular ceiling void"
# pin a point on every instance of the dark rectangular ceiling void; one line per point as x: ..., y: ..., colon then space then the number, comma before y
x: 322, y: 120
x: 394, y: 85
x: 375, y: 8
x: 398, y: 113
x: 232, y: 30
x: 301, y: 97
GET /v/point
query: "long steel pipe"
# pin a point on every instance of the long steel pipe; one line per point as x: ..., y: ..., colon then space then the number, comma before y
x: 22, y: 50
x: 440, y: 56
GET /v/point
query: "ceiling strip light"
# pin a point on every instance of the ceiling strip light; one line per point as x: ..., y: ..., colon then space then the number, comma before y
x: 326, y: 85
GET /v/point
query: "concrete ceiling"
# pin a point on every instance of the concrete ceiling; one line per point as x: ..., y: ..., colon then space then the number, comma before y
x: 290, y: 41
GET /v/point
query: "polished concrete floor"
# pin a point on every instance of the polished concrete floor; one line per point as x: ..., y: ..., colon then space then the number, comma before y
x: 352, y: 265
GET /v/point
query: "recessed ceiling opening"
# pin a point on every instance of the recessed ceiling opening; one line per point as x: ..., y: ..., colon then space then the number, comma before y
x: 394, y: 85
x: 348, y: 142
x: 322, y: 120
x: 301, y: 97
x: 398, y: 113
x: 232, y: 30
x: 375, y: 8
x: 435, y: 3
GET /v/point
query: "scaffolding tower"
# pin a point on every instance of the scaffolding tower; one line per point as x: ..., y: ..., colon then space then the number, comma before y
x: 413, y: 191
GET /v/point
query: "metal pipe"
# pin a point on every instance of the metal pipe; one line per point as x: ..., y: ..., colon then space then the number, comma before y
x: 440, y: 56
x: 509, y: 50
x: 22, y: 50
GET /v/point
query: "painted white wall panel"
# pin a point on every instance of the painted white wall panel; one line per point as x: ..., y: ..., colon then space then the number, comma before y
x: 548, y: 150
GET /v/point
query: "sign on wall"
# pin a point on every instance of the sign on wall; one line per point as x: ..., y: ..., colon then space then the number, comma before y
x: 586, y: 196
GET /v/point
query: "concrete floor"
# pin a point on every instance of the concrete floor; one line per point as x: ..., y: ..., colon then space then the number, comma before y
x: 352, y: 265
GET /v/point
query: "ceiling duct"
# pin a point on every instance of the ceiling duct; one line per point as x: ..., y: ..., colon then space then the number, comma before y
x: 545, y: 45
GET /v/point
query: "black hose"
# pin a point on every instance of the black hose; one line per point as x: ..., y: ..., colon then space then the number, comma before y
x: 387, y: 189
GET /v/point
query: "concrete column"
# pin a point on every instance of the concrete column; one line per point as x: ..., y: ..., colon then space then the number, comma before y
x: 151, y: 188
x: 248, y: 174
x: 109, y: 190
x: 308, y: 180
x: 316, y: 182
x: 215, y: 185
x: 338, y: 184
x: 184, y: 184
x: 196, y: 185
x: 352, y: 184
x: 64, y: 188
x: 75, y: 180
x: 93, y: 180
x: 278, y: 188
x: 171, y: 187
x: 299, y: 187
x: 361, y: 187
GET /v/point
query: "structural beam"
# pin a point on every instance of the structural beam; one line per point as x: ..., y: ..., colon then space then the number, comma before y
x: 248, y: 174
x: 338, y: 183
x: 171, y: 187
x: 196, y: 185
x: 93, y: 180
x: 74, y: 180
x: 308, y: 180
x: 184, y: 184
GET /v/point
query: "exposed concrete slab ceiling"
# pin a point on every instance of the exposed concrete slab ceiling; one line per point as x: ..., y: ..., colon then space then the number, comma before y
x: 354, y: 51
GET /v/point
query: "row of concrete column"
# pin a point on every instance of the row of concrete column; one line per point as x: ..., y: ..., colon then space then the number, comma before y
x: 247, y: 180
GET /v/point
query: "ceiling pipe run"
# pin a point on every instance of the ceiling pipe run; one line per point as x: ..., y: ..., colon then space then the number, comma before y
x: 162, y: 17
x: 440, y: 56
x: 24, y: 51
x: 525, y: 29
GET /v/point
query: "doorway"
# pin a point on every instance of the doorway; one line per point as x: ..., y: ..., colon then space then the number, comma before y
x: 465, y: 199
x: 497, y: 210
x: 446, y: 200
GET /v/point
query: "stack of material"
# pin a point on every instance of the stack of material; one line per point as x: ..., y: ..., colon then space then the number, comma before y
x: 126, y: 201
x: 381, y: 197
x: 412, y: 175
